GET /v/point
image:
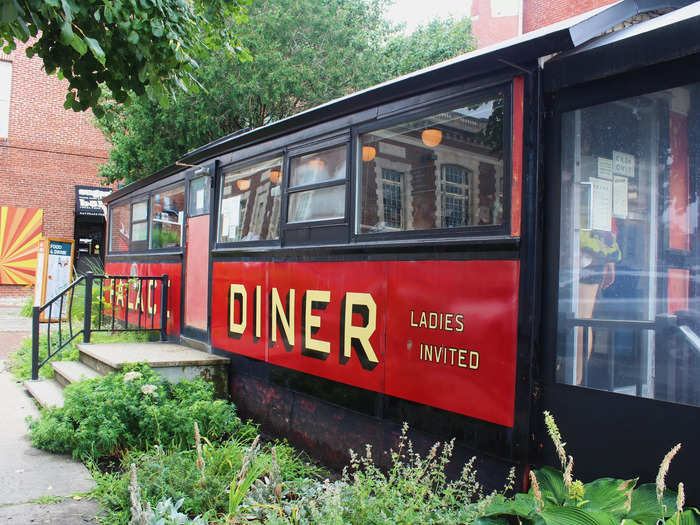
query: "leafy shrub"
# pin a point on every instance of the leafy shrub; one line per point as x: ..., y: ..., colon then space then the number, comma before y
x: 176, y: 475
x: 557, y: 498
x: 415, y: 490
x: 132, y: 409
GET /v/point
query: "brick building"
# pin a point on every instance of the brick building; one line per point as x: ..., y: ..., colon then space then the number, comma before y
x: 45, y: 152
x: 494, y: 21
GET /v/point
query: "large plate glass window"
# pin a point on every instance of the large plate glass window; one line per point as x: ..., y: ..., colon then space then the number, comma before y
x: 317, y: 185
x: 119, y: 229
x: 629, y: 258
x: 250, y: 202
x: 440, y: 171
x: 167, y: 214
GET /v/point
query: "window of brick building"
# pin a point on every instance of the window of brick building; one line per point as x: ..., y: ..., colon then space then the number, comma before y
x: 5, y: 88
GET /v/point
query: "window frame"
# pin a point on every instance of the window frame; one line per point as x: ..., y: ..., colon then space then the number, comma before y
x: 225, y: 169
x: 147, y: 220
x: 183, y: 239
x: 188, y: 194
x: 318, y: 147
x: 408, y: 115
x: 127, y: 204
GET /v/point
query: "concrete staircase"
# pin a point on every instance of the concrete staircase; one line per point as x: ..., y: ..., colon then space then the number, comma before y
x: 173, y: 361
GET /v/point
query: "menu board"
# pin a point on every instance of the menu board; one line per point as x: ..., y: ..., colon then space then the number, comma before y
x: 56, y: 266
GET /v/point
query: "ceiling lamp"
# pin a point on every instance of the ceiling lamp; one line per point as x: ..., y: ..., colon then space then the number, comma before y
x: 243, y: 184
x: 316, y: 163
x: 368, y: 153
x: 431, y: 137
x: 275, y: 176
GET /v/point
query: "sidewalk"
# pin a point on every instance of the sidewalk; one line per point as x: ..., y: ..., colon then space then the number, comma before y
x: 27, y: 473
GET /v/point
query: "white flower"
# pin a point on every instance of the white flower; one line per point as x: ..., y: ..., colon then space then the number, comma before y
x: 148, y: 389
x: 130, y: 376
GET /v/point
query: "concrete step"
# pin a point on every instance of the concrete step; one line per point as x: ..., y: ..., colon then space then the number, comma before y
x: 175, y: 362
x: 67, y: 372
x: 47, y: 392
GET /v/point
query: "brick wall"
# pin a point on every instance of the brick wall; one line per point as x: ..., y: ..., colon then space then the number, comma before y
x: 490, y: 26
x: 540, y: 13
x: 49, y: 150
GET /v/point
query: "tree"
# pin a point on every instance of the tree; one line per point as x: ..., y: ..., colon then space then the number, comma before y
x: 305, y: 52
x: 438, y: 40
x: 129, y: 46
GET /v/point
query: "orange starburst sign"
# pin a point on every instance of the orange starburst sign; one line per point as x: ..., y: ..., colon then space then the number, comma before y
x: 20, y: 233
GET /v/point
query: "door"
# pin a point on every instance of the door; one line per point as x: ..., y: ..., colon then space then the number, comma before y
x: 197, y: 259
x: 624, y: 360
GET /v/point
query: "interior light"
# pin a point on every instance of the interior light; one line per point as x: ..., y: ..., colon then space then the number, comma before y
x: 243, y: 184
x: 275, y: 176
x: 431, y: 137
x: 368, y: 153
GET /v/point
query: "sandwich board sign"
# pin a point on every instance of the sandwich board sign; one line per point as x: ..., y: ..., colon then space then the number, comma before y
x: 54, y: 274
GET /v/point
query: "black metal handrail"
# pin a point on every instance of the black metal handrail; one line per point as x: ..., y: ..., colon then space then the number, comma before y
x: 107, y: 320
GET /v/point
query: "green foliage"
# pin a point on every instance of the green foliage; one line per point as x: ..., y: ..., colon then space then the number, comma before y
x: 415, y: 490
x: 305, y: 52
x: 436, y: 41
x: 556, y: 498
x: 175, y: 475
x: 27, y: 307
x: 128, y: 47
x: 133, y: 409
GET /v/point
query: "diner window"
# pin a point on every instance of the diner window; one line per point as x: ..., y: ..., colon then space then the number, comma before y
x: 250, y: 202
x: 198, y: 196
x: 119, y: 229
x: 167, y: 214
x: 317, y: 185
x: 628, y: 258
x: 446, y: 170
x: 139, y: 226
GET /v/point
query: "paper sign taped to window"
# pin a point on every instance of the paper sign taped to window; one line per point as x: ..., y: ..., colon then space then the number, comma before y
x: 605, y: 168
x: 623, y: 164
x: 601, y: 204
x: 620, y: 197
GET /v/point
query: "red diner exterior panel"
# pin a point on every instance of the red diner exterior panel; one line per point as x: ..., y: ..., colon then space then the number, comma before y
x: 441, y: 333
x: 139, y: 299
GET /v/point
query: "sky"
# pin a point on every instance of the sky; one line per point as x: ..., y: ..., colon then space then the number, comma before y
x: 417, y: 12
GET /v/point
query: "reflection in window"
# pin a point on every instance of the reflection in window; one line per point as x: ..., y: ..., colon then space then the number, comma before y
x: 317, y: 203
x: 167, y: 213
x: 199, y: 196
x: 439, y: 171
x: 250, y: 202
x: 628, y: 247
x: 119, y: 216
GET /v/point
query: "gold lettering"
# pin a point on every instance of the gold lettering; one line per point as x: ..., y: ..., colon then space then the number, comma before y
x: 458, y: 320
x: 412, y: 322
x: 473, y: 360
x: 461, y: 355
x: 120, y: 294
x: 361, y: 334
x: 314, y: 321
x: 277, y: 313
x: 240, y: 291
x: 423, y: 321
x: 448, y: 322
x: 258, y: 313
x: 433, y: 320
x: 428, y: 352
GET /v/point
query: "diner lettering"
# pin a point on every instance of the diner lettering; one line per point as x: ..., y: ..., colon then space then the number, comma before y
x: 283, y: 319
